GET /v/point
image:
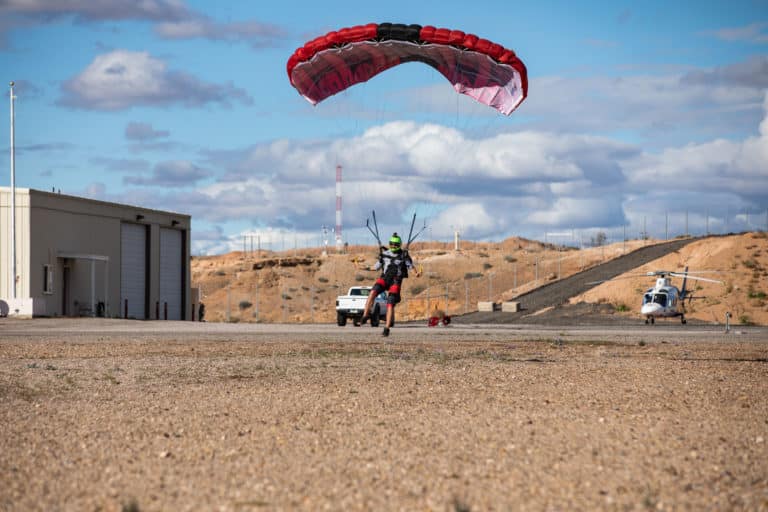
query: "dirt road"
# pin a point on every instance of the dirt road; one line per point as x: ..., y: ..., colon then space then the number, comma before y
x: 118, y: 415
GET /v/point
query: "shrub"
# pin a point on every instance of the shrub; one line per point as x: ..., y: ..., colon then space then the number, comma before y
x: 510, y: 259
x: 322, y: 279
x: 621, y: 307
x: 487, y: 265
x: 473, y: 275
x: 359, y: 278
x: 417, y: 289
x: 750, y: 263
x: 244, y: 304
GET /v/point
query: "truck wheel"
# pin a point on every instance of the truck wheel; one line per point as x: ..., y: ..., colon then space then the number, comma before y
x: 341, y: 319
x: 375, y: 317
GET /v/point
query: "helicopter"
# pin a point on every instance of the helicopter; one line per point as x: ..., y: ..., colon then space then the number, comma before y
x: 664, y: 300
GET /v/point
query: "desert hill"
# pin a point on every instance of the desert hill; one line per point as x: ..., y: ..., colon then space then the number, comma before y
x: 301, y: 285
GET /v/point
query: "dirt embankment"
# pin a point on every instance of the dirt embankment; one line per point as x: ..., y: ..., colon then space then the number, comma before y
x: 301, y: 288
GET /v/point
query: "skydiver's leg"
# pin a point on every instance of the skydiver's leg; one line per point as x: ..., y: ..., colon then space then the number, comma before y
x: 392, y: 299
x: 378, y: 287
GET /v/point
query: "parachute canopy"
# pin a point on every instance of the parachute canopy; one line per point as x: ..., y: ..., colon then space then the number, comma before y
x: 488, y: 72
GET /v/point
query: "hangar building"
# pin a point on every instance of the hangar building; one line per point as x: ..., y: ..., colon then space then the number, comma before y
x: 83, y: 257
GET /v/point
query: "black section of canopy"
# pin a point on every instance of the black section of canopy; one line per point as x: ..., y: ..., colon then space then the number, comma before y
x: 399, y: 32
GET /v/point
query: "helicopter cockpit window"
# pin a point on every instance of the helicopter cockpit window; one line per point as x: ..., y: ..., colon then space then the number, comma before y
x: 647, y: 298
x: 660, y: 299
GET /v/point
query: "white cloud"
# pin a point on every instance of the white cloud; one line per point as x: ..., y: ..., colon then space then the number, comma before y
x: 471, y: 219
x: 739, y: 167
x: 122, y: 79
x: 580, y: 212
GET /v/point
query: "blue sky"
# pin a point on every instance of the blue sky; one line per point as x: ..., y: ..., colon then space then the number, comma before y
x: 638, y: 114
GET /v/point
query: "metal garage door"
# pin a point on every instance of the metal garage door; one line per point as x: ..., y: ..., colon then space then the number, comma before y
x: 171, y: 268
x: 133, y: 270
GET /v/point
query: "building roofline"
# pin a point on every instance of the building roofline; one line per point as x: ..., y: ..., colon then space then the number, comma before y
x: 32, y: 191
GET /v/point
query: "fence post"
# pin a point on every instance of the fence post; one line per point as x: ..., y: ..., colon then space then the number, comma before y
x: 446, y: 299
x: 229, y: 302
x: 125, y: 315
x: 256, y: 301
x: 165, y: 311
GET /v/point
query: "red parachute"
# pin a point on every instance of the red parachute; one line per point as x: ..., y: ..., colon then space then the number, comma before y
x: 488, y: 72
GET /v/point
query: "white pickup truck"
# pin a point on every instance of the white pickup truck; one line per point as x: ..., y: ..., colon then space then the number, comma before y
x: 352, y: 306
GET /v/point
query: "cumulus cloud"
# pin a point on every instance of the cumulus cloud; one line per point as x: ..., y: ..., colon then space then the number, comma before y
x: 579, y: 212
x: 489, y: 183
x: 122, y: 79
x: 716, y: 166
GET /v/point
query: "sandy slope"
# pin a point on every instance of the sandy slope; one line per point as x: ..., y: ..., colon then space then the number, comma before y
x: 311, y: 282
x: 742, y: 262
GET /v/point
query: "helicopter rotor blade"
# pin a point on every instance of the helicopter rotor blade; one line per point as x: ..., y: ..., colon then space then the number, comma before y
x: 699, y: 278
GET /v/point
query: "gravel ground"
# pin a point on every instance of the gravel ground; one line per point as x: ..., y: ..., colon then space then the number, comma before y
x: 120, y: 415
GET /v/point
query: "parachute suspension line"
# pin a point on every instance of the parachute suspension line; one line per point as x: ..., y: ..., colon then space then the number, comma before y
x: 375, y: 230
x: 411, y: 236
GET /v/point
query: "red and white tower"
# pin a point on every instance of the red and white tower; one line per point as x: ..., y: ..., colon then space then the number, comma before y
x: 339, y: 243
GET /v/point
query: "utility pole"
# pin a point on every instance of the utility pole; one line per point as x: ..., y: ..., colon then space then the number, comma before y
x: 707, y: 222
x: 12, y: 283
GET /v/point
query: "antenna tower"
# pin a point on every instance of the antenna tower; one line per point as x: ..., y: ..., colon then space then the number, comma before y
x: 339, y: 243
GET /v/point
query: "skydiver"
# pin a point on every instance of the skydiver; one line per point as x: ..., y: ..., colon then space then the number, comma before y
x: 394, y: 263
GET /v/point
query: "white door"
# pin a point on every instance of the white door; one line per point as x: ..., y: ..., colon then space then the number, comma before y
x: 133, y: 271
x: 171, y: 271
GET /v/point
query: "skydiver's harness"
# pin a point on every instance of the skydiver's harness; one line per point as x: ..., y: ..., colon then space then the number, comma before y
x: 394, y: 267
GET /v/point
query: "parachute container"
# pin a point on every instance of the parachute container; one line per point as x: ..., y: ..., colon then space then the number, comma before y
x: 481, y: 69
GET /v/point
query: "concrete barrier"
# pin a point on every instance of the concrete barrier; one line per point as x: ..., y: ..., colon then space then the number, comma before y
x: 487, y: 306
x: 510, y: 307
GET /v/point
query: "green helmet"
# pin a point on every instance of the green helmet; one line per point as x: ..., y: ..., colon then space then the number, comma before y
x: 395, y: 241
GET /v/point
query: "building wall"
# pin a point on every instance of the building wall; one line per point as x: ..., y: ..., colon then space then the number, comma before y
x: 64, y: 231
